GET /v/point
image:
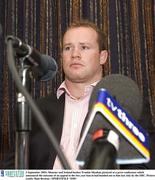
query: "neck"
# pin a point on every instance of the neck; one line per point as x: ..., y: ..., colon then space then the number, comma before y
x: 77, y: 89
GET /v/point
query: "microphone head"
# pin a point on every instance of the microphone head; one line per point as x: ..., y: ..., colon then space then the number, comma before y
x: 43, y: 68
x: 47, y: 68
x: 124, y: 90
x: 51, y: 68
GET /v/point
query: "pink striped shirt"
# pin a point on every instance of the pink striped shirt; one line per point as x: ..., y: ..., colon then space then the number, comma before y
x: 74, y: 116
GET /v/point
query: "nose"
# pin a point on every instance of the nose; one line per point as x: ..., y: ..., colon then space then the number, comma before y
x: 76, y: 52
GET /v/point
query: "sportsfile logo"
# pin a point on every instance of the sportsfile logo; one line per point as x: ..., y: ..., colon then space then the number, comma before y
x: 2, y: 173
x: 123, y: 117
x: 12, y: 173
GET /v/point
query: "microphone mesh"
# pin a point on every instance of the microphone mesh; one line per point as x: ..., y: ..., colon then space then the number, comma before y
x: 124, y: 90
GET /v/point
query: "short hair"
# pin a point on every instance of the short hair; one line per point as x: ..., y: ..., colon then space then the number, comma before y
x: 85, y: 23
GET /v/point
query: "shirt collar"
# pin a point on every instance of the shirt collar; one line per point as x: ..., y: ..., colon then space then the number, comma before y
x: 63, y: 89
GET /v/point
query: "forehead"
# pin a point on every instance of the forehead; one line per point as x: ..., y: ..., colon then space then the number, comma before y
x: 80, y: 34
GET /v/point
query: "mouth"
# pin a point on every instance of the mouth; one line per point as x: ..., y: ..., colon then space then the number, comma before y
x: 76, y: 65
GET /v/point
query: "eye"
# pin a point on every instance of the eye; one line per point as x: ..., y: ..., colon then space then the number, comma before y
x: 85, y: 47
x: 66, y: 48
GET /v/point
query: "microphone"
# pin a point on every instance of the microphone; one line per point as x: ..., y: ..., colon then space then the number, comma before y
x: 43, y: 68
x: 104, y: 150
x: 112, y: 100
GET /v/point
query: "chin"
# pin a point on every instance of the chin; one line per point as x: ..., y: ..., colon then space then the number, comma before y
x: 76, y: 79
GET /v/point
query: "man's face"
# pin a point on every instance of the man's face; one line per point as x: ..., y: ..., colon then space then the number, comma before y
x: 81, y: 57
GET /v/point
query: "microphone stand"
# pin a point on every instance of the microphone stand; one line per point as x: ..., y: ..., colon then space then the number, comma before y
x: 23, y: 123
x: 24, y: 126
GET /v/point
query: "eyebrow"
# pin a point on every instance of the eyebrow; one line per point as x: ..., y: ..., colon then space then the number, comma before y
x: 87, y: 43
x: 67, y: 44
x: 81, y: 43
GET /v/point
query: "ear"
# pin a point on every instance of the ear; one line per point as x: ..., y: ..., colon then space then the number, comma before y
x: 103, y: 57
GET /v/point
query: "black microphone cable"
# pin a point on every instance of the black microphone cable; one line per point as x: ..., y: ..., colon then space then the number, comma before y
x: 0, y: 30
x: 40, y: 118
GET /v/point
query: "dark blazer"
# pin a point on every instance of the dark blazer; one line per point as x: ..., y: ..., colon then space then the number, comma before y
x: 42, y: 153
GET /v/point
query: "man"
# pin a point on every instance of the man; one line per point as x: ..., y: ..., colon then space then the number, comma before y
x: 83, y: 55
